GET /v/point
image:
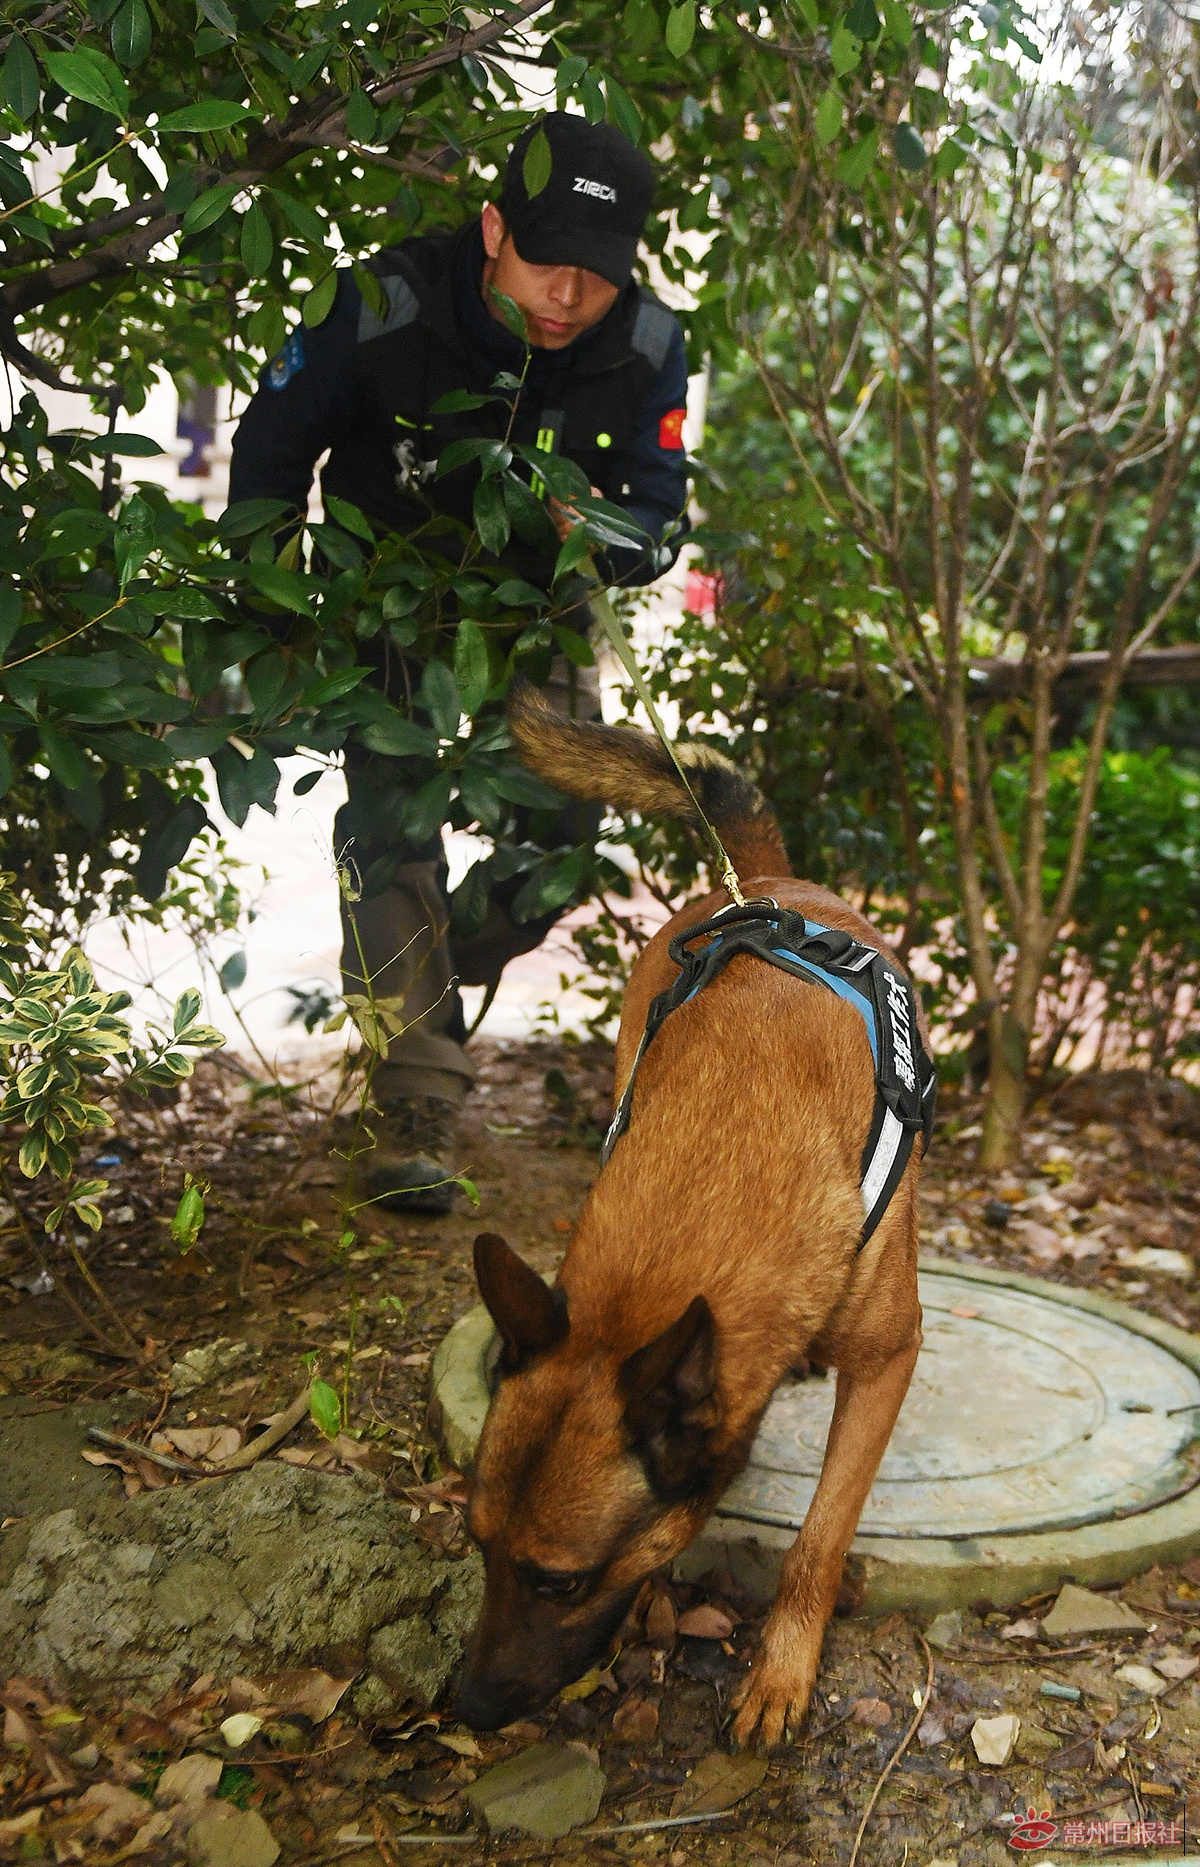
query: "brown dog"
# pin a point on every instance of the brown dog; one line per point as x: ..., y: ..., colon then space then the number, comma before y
x: 719, y: 1245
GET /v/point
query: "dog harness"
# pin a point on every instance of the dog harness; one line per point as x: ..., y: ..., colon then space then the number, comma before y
x: 905, y: 1079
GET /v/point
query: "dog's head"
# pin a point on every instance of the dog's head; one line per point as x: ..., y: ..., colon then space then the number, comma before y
x: 594, y: 1469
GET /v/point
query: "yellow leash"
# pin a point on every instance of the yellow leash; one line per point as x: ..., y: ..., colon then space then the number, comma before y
x: 607, y: 618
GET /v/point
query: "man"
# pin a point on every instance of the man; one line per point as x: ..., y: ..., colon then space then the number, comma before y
x: 606, y: 386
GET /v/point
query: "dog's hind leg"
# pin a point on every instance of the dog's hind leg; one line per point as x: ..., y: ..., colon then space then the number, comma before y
x: 775, y: 1694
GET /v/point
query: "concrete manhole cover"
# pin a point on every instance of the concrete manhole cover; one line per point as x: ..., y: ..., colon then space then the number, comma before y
x: 1022, y: 1415
x: 1047, y: 1433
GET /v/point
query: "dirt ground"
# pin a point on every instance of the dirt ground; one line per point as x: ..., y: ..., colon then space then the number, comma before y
x: 1107, y: 1195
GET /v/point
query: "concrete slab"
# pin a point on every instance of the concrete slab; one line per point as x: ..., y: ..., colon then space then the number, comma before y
x: 1049, y: 1433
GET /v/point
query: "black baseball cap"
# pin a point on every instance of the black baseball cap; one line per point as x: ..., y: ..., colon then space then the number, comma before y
x: 593, y: 208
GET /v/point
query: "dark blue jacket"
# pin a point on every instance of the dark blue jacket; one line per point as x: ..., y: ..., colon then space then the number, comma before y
x: 362, y: 386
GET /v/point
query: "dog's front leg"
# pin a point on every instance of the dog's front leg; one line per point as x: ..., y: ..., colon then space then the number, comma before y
x: 775, y: 1694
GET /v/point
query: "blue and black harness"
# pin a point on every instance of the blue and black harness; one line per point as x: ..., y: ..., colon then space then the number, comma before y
x: 905, y: 1079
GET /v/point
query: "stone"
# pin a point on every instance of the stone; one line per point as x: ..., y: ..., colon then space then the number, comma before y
x: 1144, y: 1678
x: 240, y: 1839
x: 995, y: 1739
x: 1175, y: 1666
x: 201, y: 1366
x: 268, y: 1569
x: 1079, y: 1611
x: 544, y: 1791
x: 946, y: 1629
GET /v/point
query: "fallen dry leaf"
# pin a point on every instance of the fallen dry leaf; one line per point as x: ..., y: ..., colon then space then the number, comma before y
x: 705, y: 1623
x: 109, y: 1808
x: 307, y: 1690
x: 18, y: 1825
x: 636, y: 1721
x: 1020, y: 1630
x: 459, y: 1742
x: 213, y: 1443
x: 660, y: 1620
x: 719, y: 1781
x: 1176, y: 1666
x: 872, y: 1711
x: 193, y: 1776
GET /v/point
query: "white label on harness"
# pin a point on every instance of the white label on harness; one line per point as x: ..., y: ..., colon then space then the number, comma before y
x: 600, y: 191
x: 876, y: 1175
x: 901, y: 1021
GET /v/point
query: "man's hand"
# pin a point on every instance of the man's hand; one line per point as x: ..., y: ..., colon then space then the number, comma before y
x: 565, y: 518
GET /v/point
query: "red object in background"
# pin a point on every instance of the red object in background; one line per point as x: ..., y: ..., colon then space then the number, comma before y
x: 700, y: 593
x: 670, y: 428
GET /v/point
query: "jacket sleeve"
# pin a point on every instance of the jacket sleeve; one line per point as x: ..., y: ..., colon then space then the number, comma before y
x: 656, y: 469
x: 303, y: 404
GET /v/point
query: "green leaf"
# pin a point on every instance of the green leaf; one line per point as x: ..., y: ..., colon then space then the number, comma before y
x: 210, y: 206
x: 257, y: 242
x: 362, y: 119
x: 211, y: 113
x: 304, y: 785
x: 491, y: 516
x: 572, y: 552
x: 862, y: 20
x: 127, y: 446
x: 250, y: 515
x: 187, y: 1010
x: 511, y: 313
x: 570, y: 71
x: 537, y: 165
x: 898, y: 20
x: 21, y: 84
x: 319, y: 302
x: 459, y: 402
x: 827, y: 118
x: 426, y: 811
x: 471, y: 672
x: 910, y: 148
x: 950, y: 156
x: 219, y: 15
x: 438, y: 694
x: 845, y: 52
x: 325, y: 1409
x: 521, y: 787
x: 306, y: 222
x: 623, y: 111
x: 131, y: 32
x: 856, y: 163
x: 349, y: 518
x: 288, y: 588
x: 188, y: 1217
x: 92, y: 78
x: 266, y: 328
x: 32, y: 1157
x: 397, y: 737
x: 332, y: 687
x: 233, y: 973
x: 680, y: 29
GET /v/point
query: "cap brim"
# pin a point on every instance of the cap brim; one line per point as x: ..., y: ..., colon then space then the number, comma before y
x: 596, y: 249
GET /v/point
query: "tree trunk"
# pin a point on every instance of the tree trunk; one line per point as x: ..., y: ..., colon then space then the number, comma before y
x: 1004, y: 1107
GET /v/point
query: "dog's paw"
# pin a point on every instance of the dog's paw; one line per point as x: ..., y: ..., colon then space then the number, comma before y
x: 773, y: 1697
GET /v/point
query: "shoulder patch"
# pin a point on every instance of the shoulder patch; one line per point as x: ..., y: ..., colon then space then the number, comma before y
x: 402, y: 309
x: 652, y: 331
x: 670, y: 429
x: 282, y: 368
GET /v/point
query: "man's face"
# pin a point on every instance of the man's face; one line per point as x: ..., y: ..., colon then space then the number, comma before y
x: 559, y: 303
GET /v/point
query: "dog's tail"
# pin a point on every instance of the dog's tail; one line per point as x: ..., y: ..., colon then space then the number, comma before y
x: 629, y: 770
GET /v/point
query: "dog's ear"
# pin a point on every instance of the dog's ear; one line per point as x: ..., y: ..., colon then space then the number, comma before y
x: 530, y: 1316
x: 671, y: 1406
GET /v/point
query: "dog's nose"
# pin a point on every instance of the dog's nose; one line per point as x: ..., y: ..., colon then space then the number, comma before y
x: 483, y: 1707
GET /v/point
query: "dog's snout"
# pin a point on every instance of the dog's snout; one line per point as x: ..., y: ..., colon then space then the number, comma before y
x: 486, y: 1705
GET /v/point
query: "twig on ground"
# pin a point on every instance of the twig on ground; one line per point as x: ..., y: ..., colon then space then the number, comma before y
x: 663, y: 1821
x: 1041, y: 1654
x: 899, y: 1751
x: 132, y: 1449
x: 265, y: 1442
x: 84, y: 1269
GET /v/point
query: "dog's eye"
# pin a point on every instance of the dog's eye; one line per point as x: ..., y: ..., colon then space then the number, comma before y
x: 561, y: 1584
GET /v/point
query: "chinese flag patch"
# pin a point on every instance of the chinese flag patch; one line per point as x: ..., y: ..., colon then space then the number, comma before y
x: 670, y: 428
